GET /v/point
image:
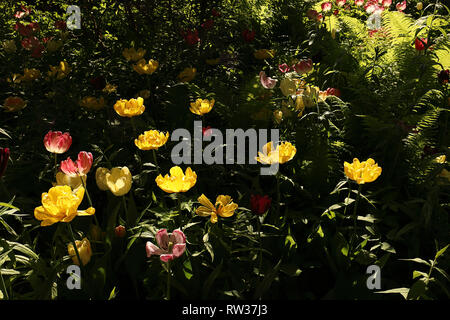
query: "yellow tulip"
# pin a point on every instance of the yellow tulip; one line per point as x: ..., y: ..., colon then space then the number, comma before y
x: 130, y: 108
x: 61, y: 71
x: 9, y: 46
x: 93, y: 103
x: 224, y: 207
x: 13, y: 104
x: 63, y: 179
x: 288, y: 87
x: 284, y: 152
x: 150, y: 140
x: 142, y: 67
x: 119, y: 180
x: 362, y: 172
x: 177, y: 181
x: 264, y: 54
x: 100, y: 178
x: 278, y: 116
x: 84, y: 250
x: 419, y: 6
x: 109, y: 88
x: 60, y: 204
x: 440, y: 159
x: 187, y: 74
x: 30, y: 74
x: 133, y: 54
x: 201, y: 106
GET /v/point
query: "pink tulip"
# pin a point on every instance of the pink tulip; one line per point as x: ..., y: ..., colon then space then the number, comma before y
x: 266, y: 81
x: 326, y: 6
x: 387, y: 3
x: 284, y: 67
x: 170, y: 245
x: 79, y: 167
x: 359, y: 2
x: 401, y: 6
x: 304, y: 66
x: 341, y: 3
x: 57, y: 142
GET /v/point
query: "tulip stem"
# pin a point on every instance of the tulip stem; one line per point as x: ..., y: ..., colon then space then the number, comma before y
x: 89, y: 198
x: 155, y: 160
x: 278, y: 195
x: 168, y: 281
x: 56, y: 163
x: 260, y: 246
x: 80, y: 263
x: 133, y: 125
x: 356, y: 206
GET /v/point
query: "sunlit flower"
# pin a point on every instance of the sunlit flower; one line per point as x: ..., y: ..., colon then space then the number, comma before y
x: 150, y: 140
x: 326, y: 6
x: 133, y: 54
x: 84, y: 250
x: 188, y: 74
x: 284, y: 152
x: 307, y: 97
x: 386, y: 3
x: 63, y: 179
x: 440, y: 159
x: 9, y: 46
x: 57, y: 142
x: 177, y: 181
x: 224, y: 207
x: 288, y: 86
x: 93, y: 103
x: 266, y: 81
x: 260, y: 204
x: 80, y: 167
x: 201, y: 106
x: 420, y: 44
x: 4, y: 156
x: 419, y: 6
x: 359, y: 2
x: 13, y: 104
x: 171, y: 245
x: 119, y: 180
x: 129, y: 108
x: 143, y: 67
x: 284, y: 68
x: 362, y: 172
x: 60, y: 204
x: 341, y: 3
x: 277, y: 116
x: 262, y: 54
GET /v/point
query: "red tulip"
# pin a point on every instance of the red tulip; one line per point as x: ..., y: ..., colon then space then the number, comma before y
x: 248, y: 35
x: 57, y: 142
x: 208, y: 24
x: 4, y: 156
x: 61, y: 25
x: 260, y: 204
x: 21, y: 14
x: 79, y: 167
x: 420, y: 44
x: 191, y: 37
x: 304, y: 66
x: 333, y: 92
x: 401, y: 6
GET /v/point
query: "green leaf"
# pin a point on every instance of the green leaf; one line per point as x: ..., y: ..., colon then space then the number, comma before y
x: 187, y: 269
x: 387, y: 247
x: 212, y: 277
x: 417, y: 290
x: 402, y: 291
x: 417, y: 274
x: 267, y: 281
x: 418, y: 260
x: 440, y: 252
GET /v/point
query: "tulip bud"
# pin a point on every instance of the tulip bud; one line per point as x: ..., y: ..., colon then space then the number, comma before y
x: 84, y: 250
x: 120, y: 231
x: 419, y: 6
